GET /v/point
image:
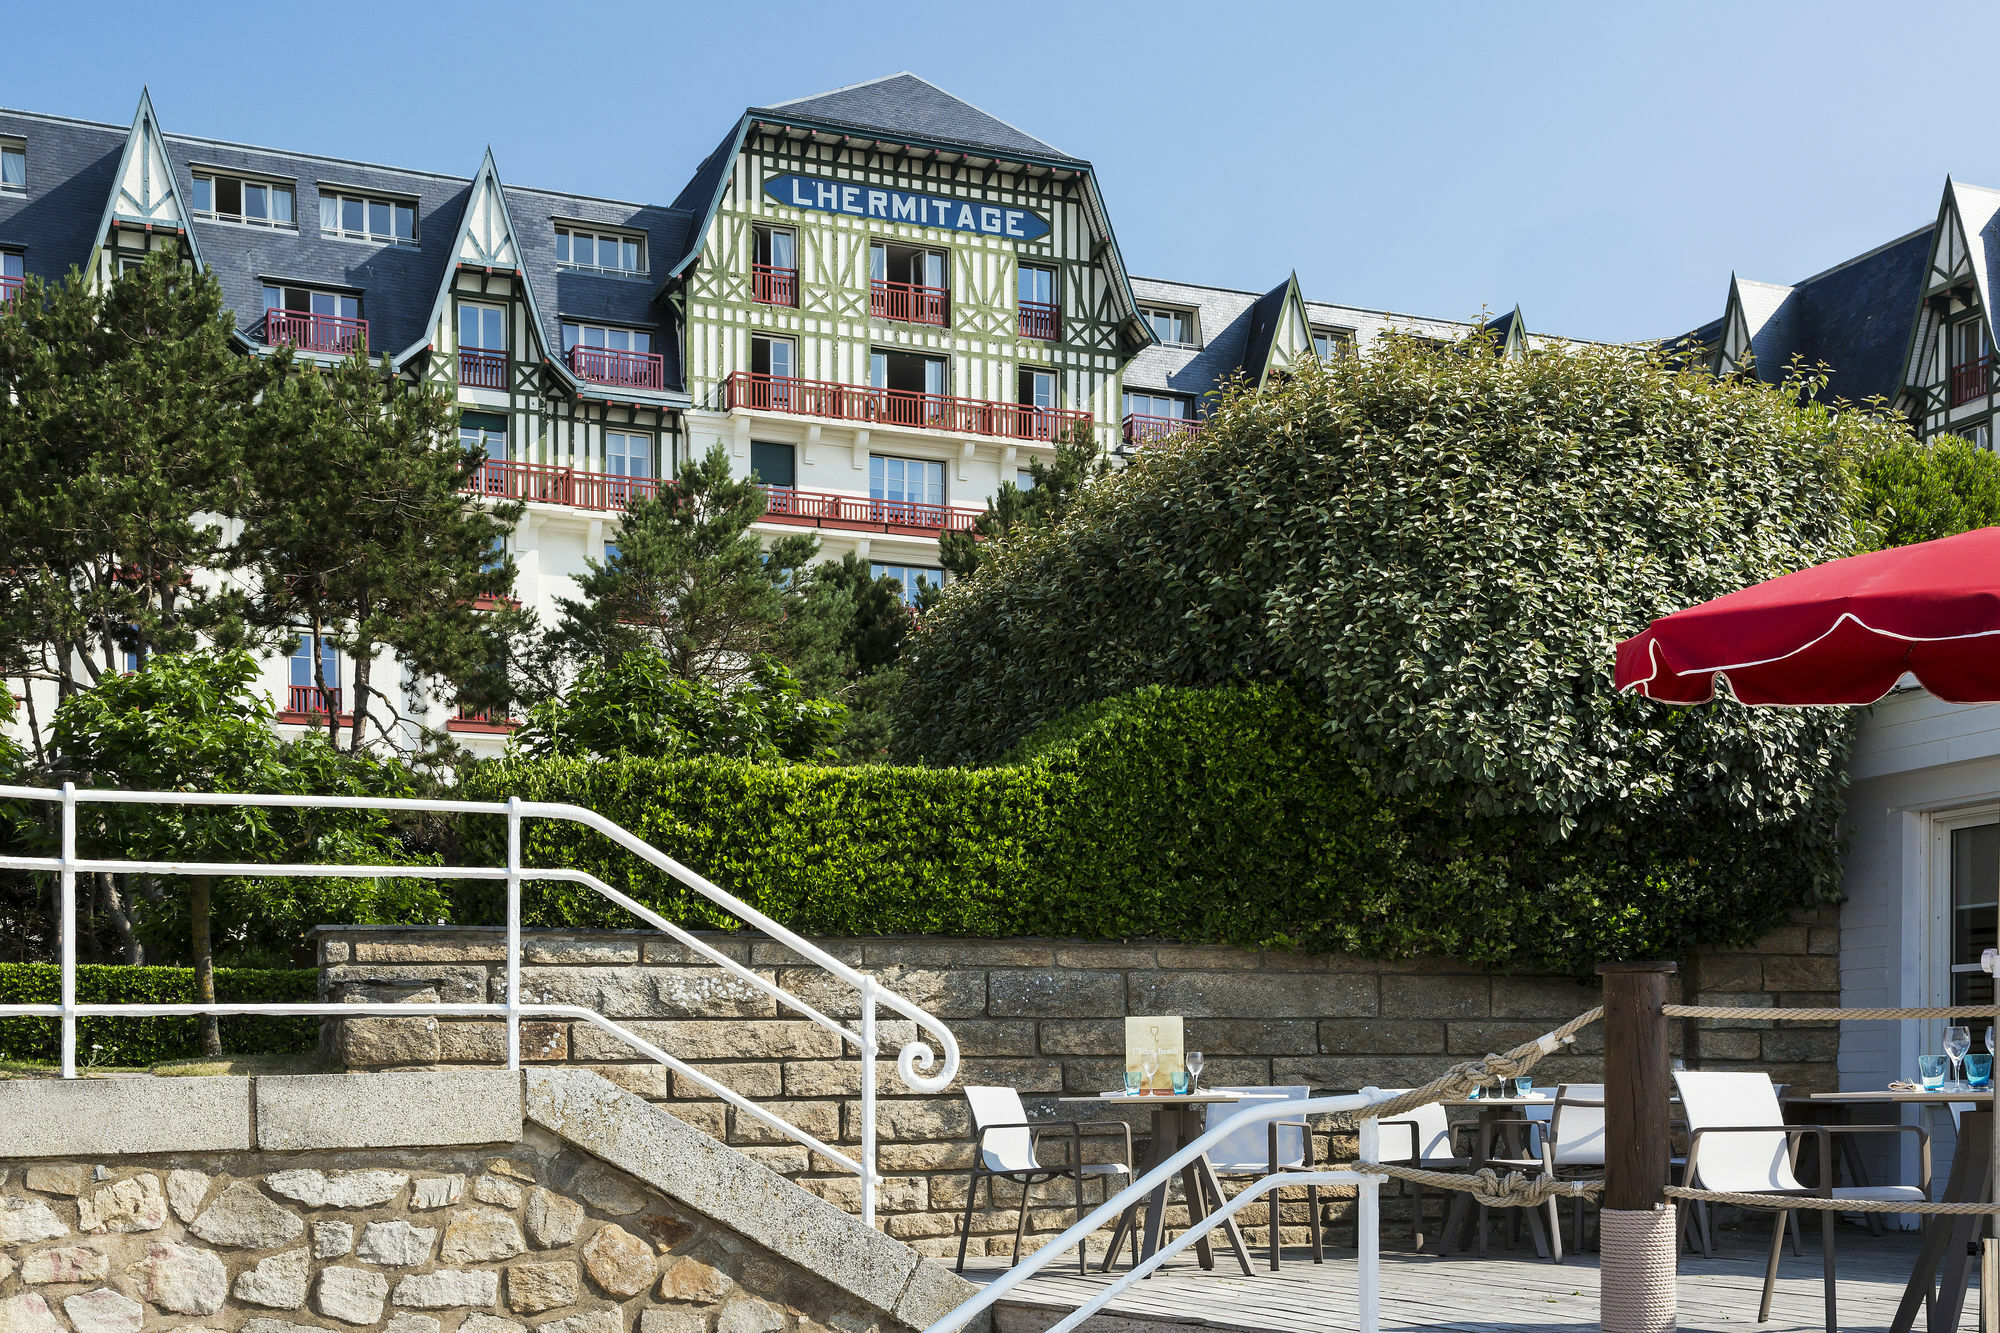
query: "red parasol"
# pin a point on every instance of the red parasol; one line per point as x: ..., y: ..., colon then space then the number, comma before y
x: 1838, y: 633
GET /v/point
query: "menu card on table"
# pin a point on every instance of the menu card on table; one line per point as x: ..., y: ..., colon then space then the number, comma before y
x: 1159, y: 1036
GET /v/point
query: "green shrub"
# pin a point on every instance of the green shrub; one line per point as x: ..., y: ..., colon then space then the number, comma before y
x: 147, y: 1041
x: 1224, y: 816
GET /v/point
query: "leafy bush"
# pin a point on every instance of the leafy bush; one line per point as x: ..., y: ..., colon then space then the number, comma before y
x: 146, y: 1041
x: 638, y: 706
x: 1222, y: 816
x: 1918, y: 492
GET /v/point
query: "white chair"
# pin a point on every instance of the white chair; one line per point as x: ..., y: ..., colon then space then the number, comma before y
x: 1576, y: 1140
x: 1008, y: 1142
x: 1738, y: 1142
x: 1269, y: 1148
x: 1419, y: 1138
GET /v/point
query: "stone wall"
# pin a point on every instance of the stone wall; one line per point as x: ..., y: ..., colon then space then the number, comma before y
x: 533, y: 1233
x: 1045, y: 1017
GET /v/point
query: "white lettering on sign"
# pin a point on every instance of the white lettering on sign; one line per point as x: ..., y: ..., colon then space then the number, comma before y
x: 928, y: 210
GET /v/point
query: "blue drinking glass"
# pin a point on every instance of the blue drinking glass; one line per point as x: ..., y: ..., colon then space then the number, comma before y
x: 1180, y: 1082
x: 1131, y: 1083
x: 1979, y: 1070
x: 1930, y: 1072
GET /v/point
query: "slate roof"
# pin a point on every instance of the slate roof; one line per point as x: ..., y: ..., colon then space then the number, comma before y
x: 70, y: 169
x: 905, y: 104
x: 1266, y: 313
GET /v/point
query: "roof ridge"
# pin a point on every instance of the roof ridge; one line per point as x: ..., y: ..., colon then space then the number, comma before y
x: 844, y: 88
x: 1852, y: 260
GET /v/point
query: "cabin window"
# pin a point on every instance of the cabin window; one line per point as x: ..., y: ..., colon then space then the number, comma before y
x: 605, y: 251
x: 627, y: 454
x: 774, y: 464
x: 1174, y: 327
x: 1329, y: 343
x: 611, y: 339
x: 907, y: 372
x: 912, y: 577
x: 245, y: 199
x: 482, y: 328
x: 894, y: 480
x: 775, y: 357
x: 1037, y: 285
x: 360, y: 217
x: 13, y: 165
x: 1157, y: 405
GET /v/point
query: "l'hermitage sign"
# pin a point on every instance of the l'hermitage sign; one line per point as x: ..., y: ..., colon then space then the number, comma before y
x: 925, y: 210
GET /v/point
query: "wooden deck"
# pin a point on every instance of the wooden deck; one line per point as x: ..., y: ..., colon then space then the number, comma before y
x: 1510, y: 1291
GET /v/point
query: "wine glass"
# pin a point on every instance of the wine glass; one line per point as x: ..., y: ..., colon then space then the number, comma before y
x: 1989, y: 1040
x: 1149, y: 1066
x: 1957, y: 1041
x: 1194, y: 1064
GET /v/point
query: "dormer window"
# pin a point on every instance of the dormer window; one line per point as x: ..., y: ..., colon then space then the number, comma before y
x: 1175, y: 328
x: 244, y: 199
x: 601, y: 251
x: 1332, y: 343
x: 13, y: 165
x: 313, y: 321
x: 363, y: 217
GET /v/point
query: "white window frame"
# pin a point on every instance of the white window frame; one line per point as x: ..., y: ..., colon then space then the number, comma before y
x: 14, y: 148
x: 1336, y: 336
x: 333, y: 198
x: 878, y: 465
x: 566, y: 232
x: 245, y: 181
x: 1190, y: 328
x: 574, y: 331
x: 891, y: 569
x: 1184, y: 409
x: 652, y: 442
x: 484, y: 307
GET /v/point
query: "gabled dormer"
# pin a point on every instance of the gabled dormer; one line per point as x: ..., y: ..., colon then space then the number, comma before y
x: 1759, y: 330
x: 1948, y: 380
x: 145, y: 211
x: 1509, y: 333
x: 1280, y: 335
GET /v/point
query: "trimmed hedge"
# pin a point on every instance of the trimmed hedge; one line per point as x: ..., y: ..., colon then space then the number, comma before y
x: 147, y: 1041
x: 1222, y: 816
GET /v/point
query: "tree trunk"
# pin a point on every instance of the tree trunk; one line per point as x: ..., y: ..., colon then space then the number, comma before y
x: 319, y: 683
x: 121, y: 921
x: 364, y: 659
x: 34, y: 722
x: 204, y: 961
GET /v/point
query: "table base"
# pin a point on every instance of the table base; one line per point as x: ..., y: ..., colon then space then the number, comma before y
x: 1174, y: 1127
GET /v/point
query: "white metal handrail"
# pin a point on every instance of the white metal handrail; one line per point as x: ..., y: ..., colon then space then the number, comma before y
x: 917, y: 1063
x: 1368, y: 1286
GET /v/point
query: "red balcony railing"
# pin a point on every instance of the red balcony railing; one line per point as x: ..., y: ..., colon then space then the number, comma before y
x: 1151, y: 430
x: 1971, y: 379
x: 314, y: 333
x: 311, y: 700
x: 481, y: 721
x: 909, y: 303
x: 543, y: 483
x: 894, y: 407
x: 1040, y: 319
x: 858, y: 513
x: 9, y: 288
x: 774, y: 286
x: 482, y: 370
x: 627, y: 370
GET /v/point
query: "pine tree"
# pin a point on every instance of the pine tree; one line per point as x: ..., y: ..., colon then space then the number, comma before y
x: 361, y: 536
x: 1042, y: 504
x: 690, y: 581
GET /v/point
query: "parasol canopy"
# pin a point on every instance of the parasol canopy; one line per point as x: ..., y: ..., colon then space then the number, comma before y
x: 1839, y: 633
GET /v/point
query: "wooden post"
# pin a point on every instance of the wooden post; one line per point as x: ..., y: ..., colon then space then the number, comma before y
x: 1639, y: 1241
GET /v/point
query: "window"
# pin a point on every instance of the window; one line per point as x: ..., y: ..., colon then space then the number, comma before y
x: 1024, y: 480
x: 895, y: 480
x: 11, y: 272
x: 1038, y: 284
x: 485, y: 432
x: 907, y: 372
x: 774, y: 464
x: 610, y: 554
x: 496, y: 555
x: 1975, y: 871
x: 596, y: 335
x: 314, y: 321
x: 909, y: 284
x: 482, y: 327
x: 912, y: 577
x: 13, y: 166
x: 607, y: 252
x: 305, y: 695
x: 1174, y: 327
x: 363, y: 217
x: 257, y: 203
x: 1037, y: 388
x: 907, y: 264
x: 774, y: 266
x: 1037, y: 315
x: 1329, y: 343
x: 773, y: 357
x: 1971, y: 360
x: 628, y: 455
x: 1156, y: 405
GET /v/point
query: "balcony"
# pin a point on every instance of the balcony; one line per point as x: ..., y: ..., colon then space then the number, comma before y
x: 858, y: 513
x: 543, y: 483
x: 895, y: 407
x: 482, y: 370
x: 626, y: 370
x: 774, y: 286
x: 1039, y: 319
x: 1971, y: 379
x: 308, y: 332
x: 9, y: 289
x: 1141, y: 430
x: 311, y: 704
x: 909, y: 304
x: 480, y: 722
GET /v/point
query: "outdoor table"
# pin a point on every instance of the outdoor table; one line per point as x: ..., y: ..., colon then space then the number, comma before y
x: 1176, y: 1123
x: 1943, y: 1272
x: 1494, y: 1123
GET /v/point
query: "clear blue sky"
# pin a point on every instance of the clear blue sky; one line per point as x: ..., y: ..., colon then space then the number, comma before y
x: 1605, y: 165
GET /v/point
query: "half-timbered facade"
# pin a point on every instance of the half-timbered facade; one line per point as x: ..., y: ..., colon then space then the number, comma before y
x: 893, y: 301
